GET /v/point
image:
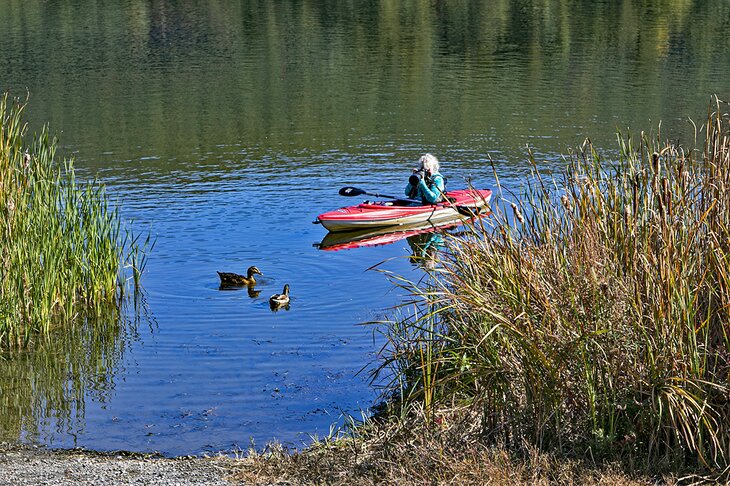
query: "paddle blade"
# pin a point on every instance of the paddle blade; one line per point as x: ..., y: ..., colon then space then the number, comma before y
x: 469, y: 212
x: 351, y: 191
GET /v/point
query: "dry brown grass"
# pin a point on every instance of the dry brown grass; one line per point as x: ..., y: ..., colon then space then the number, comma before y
x: 591, y: 315
x: 410, y: 452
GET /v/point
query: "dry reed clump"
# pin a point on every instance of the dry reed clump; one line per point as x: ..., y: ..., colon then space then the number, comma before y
x: 417, y: 451
x: 62, y: 248
x: 591, y: 318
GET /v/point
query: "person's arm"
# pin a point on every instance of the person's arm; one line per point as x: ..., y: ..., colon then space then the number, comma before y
x: 409, y: 189
x: 432, y: 196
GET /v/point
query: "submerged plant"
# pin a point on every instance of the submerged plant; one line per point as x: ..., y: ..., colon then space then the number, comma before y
x: 63, y: 249
x: 594, y: 315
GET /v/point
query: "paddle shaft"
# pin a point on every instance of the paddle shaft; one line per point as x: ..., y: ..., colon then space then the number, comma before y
x: 354, y: 191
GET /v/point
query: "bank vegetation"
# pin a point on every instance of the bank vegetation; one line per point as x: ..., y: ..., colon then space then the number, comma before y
x: 578, y: 335
x: 65, y: 254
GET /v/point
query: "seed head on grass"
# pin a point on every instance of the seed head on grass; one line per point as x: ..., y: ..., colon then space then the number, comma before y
x: 518, y: 214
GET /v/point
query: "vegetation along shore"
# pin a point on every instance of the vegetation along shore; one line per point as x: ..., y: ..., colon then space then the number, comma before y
x: 588, y: 316
x: 65, y: 256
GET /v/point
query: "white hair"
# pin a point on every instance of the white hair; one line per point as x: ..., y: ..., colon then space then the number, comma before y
x: 430, y: 163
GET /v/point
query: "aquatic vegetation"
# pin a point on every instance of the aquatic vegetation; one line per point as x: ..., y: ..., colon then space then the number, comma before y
x: 589, y: 315
x: 64, y: 253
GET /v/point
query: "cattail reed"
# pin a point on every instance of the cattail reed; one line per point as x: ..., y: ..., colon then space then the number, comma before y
x: 600, y: 325
x: 62, y: 247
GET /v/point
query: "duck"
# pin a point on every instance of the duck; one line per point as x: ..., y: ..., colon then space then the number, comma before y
x: 280, y: 300
x: 236, y: 279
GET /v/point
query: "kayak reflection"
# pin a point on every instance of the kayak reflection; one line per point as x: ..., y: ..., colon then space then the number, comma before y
x: 345, y: 240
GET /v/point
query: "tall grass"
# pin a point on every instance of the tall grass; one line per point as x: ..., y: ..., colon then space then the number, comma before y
x: 63, y: 249
x: 591, y: 314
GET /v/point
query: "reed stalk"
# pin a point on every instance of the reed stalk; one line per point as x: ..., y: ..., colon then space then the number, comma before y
x: 591, y: 314
x: 63, y: 248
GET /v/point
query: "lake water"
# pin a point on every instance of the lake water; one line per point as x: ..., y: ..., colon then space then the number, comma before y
x: 224, y: 128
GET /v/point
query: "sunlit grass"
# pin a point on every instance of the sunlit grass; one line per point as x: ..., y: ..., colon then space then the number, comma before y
x: 63, y: 249
x: 590, y: 314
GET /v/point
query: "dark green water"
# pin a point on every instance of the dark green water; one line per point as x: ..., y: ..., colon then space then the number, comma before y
x: 226, y: 127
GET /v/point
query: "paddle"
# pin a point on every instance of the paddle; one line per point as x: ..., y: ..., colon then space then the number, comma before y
x: 354, y: 191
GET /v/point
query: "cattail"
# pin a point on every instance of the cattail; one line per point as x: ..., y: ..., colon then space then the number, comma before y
x: 566, y: 202
x: 518, y: 213
x: 666, y: 196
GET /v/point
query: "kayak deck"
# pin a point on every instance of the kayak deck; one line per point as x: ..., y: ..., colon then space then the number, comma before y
x: 461, y: 204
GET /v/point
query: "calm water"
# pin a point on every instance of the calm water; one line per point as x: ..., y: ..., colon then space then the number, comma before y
x: 224, y: 128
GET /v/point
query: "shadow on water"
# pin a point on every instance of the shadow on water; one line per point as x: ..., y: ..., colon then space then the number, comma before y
x: 44, y: 389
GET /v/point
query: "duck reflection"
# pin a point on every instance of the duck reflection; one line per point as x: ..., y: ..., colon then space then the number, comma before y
x: 251, y: 289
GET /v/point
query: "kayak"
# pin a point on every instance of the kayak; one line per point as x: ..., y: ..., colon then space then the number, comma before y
x: 462, y: 204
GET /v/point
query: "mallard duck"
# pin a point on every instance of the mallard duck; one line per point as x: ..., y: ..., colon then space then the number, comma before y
x: 236, y: 279
x: 280, y: 300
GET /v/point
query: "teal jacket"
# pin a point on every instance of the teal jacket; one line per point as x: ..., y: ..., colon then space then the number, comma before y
x: 430, y: 193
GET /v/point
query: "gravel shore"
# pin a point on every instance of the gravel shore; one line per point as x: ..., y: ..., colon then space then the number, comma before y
x: 24, y: 465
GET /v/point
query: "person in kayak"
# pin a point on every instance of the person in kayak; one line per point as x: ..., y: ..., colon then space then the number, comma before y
x: 426, y: 183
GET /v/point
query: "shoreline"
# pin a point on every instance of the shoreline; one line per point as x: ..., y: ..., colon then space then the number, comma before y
x: 22, y: 465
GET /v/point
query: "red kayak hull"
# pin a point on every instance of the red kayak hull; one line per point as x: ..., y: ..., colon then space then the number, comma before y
x: 463, y: 204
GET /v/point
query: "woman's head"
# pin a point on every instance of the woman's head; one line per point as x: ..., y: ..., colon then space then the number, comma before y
x: 429, y: 163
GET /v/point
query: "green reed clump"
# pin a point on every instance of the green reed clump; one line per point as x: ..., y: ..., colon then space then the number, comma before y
x: 63, y: 249
x: 592, y: 316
